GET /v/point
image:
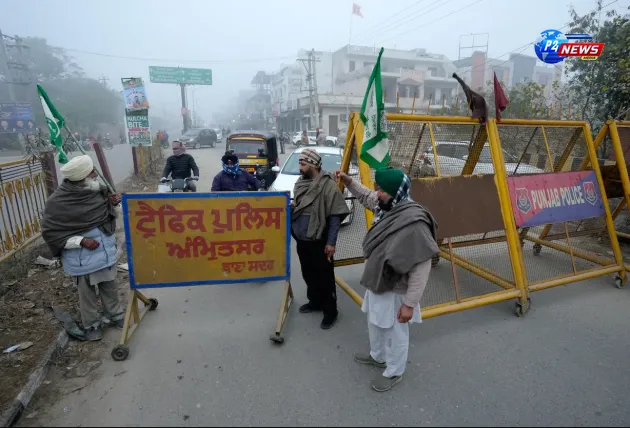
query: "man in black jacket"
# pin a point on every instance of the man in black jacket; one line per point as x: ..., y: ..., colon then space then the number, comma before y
x: 179, y: 166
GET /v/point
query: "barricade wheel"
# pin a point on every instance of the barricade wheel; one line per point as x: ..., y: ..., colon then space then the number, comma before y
x: 120, y: 352
x: 619, y: 282
x: 276, y: 338
x: 521, y: 310
x: 435, y: 260
x: 154, y: 304
x: 537, y: 249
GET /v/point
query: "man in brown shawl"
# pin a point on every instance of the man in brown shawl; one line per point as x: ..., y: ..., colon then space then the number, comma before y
x: 79, y: 224
x: 318, y: 210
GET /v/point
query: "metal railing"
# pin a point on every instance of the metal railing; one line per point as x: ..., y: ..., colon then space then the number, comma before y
x: 23, y: 194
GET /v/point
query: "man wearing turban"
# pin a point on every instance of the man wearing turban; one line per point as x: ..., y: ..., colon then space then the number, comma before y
x: 79, y: 225
x: 318, y: 210
x: 397, y: 249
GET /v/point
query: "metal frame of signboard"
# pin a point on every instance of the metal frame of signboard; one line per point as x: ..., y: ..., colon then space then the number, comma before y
x: 133, y: 314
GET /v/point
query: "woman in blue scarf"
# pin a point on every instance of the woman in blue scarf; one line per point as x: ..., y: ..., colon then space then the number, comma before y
x: 233, y: 178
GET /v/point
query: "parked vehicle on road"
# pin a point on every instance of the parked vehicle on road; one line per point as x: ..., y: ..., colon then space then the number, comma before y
x: 331, y: 162
x: 312, y: 139
x: 197, y: 138
x: 452, y: 155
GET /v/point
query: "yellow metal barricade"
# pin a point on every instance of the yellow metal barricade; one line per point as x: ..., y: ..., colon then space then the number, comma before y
x: 465, y: 174
x: 23, y: 195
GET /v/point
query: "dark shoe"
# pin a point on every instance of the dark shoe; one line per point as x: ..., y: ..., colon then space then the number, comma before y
x: 308, y: 308
x: 368, y: 360
x: 94, y: 334
x: 118, y: 323
x: 383, y: 384
x: 328, y: 321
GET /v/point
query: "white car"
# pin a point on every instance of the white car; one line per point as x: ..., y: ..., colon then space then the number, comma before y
x: 312, y: 139
x: 290, y: 172
x: 219, y: 134
x: 452, y: 156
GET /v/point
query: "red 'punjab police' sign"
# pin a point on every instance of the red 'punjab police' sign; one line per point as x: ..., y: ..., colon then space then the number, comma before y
x: 554, y: 198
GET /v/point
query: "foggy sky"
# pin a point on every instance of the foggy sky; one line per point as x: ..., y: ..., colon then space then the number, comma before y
x: 231, y: 37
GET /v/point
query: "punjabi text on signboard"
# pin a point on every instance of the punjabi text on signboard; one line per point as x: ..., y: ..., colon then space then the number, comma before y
x: 179, y: 239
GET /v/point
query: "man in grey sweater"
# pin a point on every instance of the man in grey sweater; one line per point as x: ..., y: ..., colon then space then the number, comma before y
x: 398, y: 249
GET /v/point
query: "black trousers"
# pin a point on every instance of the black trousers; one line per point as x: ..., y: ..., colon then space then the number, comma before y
x: 319, y: 275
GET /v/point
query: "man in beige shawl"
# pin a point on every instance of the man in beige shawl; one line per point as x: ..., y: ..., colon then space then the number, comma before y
x: 318, y: 210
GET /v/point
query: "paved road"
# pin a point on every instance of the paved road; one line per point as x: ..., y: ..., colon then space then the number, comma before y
x: 204, y: 358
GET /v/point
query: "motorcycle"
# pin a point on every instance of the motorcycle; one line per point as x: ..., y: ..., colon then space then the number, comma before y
x: 178, y: 185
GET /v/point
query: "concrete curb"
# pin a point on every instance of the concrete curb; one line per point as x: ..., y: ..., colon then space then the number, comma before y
x: 13, y: 413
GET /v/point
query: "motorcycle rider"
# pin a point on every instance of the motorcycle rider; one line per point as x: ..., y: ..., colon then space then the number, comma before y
x: 233, y: 178
x: 179, y: 166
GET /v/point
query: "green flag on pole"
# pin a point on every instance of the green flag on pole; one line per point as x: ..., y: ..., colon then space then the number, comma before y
x: 375, y: 147
x: 55, y: 123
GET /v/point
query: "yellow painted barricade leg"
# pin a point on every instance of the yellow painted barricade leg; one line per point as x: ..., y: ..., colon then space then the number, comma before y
x: 287, y: 299
x: 133, y: 317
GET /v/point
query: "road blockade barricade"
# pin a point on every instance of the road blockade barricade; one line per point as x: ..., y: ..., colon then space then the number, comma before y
x: 613, y: 143
x: 467, y: 177
x: 186, y: 239
x: 559, y: 202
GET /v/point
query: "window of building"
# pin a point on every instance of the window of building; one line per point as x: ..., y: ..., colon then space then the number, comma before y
x: 433, y: 71
x: 351, y: 66
x: 368, y: 64
x: 343, y: 118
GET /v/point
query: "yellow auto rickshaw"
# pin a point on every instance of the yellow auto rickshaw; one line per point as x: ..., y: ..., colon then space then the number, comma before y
x: 257, y: 153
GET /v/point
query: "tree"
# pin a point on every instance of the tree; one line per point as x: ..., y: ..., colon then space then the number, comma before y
x: 86, y: 104
x: 601, y: 87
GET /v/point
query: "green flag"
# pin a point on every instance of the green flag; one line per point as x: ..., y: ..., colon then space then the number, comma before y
x: 375, y: 147
x: 55, y: 123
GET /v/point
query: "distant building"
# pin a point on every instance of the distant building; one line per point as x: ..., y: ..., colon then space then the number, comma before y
x: 342, y: 78
x: 477, y: 70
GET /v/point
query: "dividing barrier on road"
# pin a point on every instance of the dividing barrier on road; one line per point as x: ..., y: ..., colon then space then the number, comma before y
x: 493, y: 189
x: 23, y: 193
x: 185, y: 239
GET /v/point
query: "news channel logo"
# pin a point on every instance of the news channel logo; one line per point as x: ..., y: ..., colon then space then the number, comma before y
x: 548, y: 43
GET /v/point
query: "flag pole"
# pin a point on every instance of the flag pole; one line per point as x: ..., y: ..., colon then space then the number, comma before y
x: 76, y: 143
x: 351, y: 20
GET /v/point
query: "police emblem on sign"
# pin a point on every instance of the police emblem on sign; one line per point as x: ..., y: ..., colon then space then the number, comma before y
x: 589, y: 192
x: 522, y: 200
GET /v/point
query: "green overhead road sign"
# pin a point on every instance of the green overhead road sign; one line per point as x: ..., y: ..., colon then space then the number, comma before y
x: 187, y: 76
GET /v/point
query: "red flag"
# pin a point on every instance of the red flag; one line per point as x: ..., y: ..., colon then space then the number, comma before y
x: 500, y: 100
x: 356, y: 10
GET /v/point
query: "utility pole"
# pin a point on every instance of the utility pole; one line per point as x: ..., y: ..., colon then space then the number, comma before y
x: 316, y: 95
x: 103, y: 80
x: 4, y: 67
x: 309, y: 76
x: 312, y: 87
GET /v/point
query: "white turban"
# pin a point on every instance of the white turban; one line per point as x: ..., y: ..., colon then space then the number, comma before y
x: 78, y: 168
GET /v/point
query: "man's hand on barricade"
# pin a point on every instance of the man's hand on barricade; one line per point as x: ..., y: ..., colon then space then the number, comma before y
x: 329, y: 250
x: 115, y: 199
x: 404, y: 314
x: 89, y: 243
x: 345, y: 178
